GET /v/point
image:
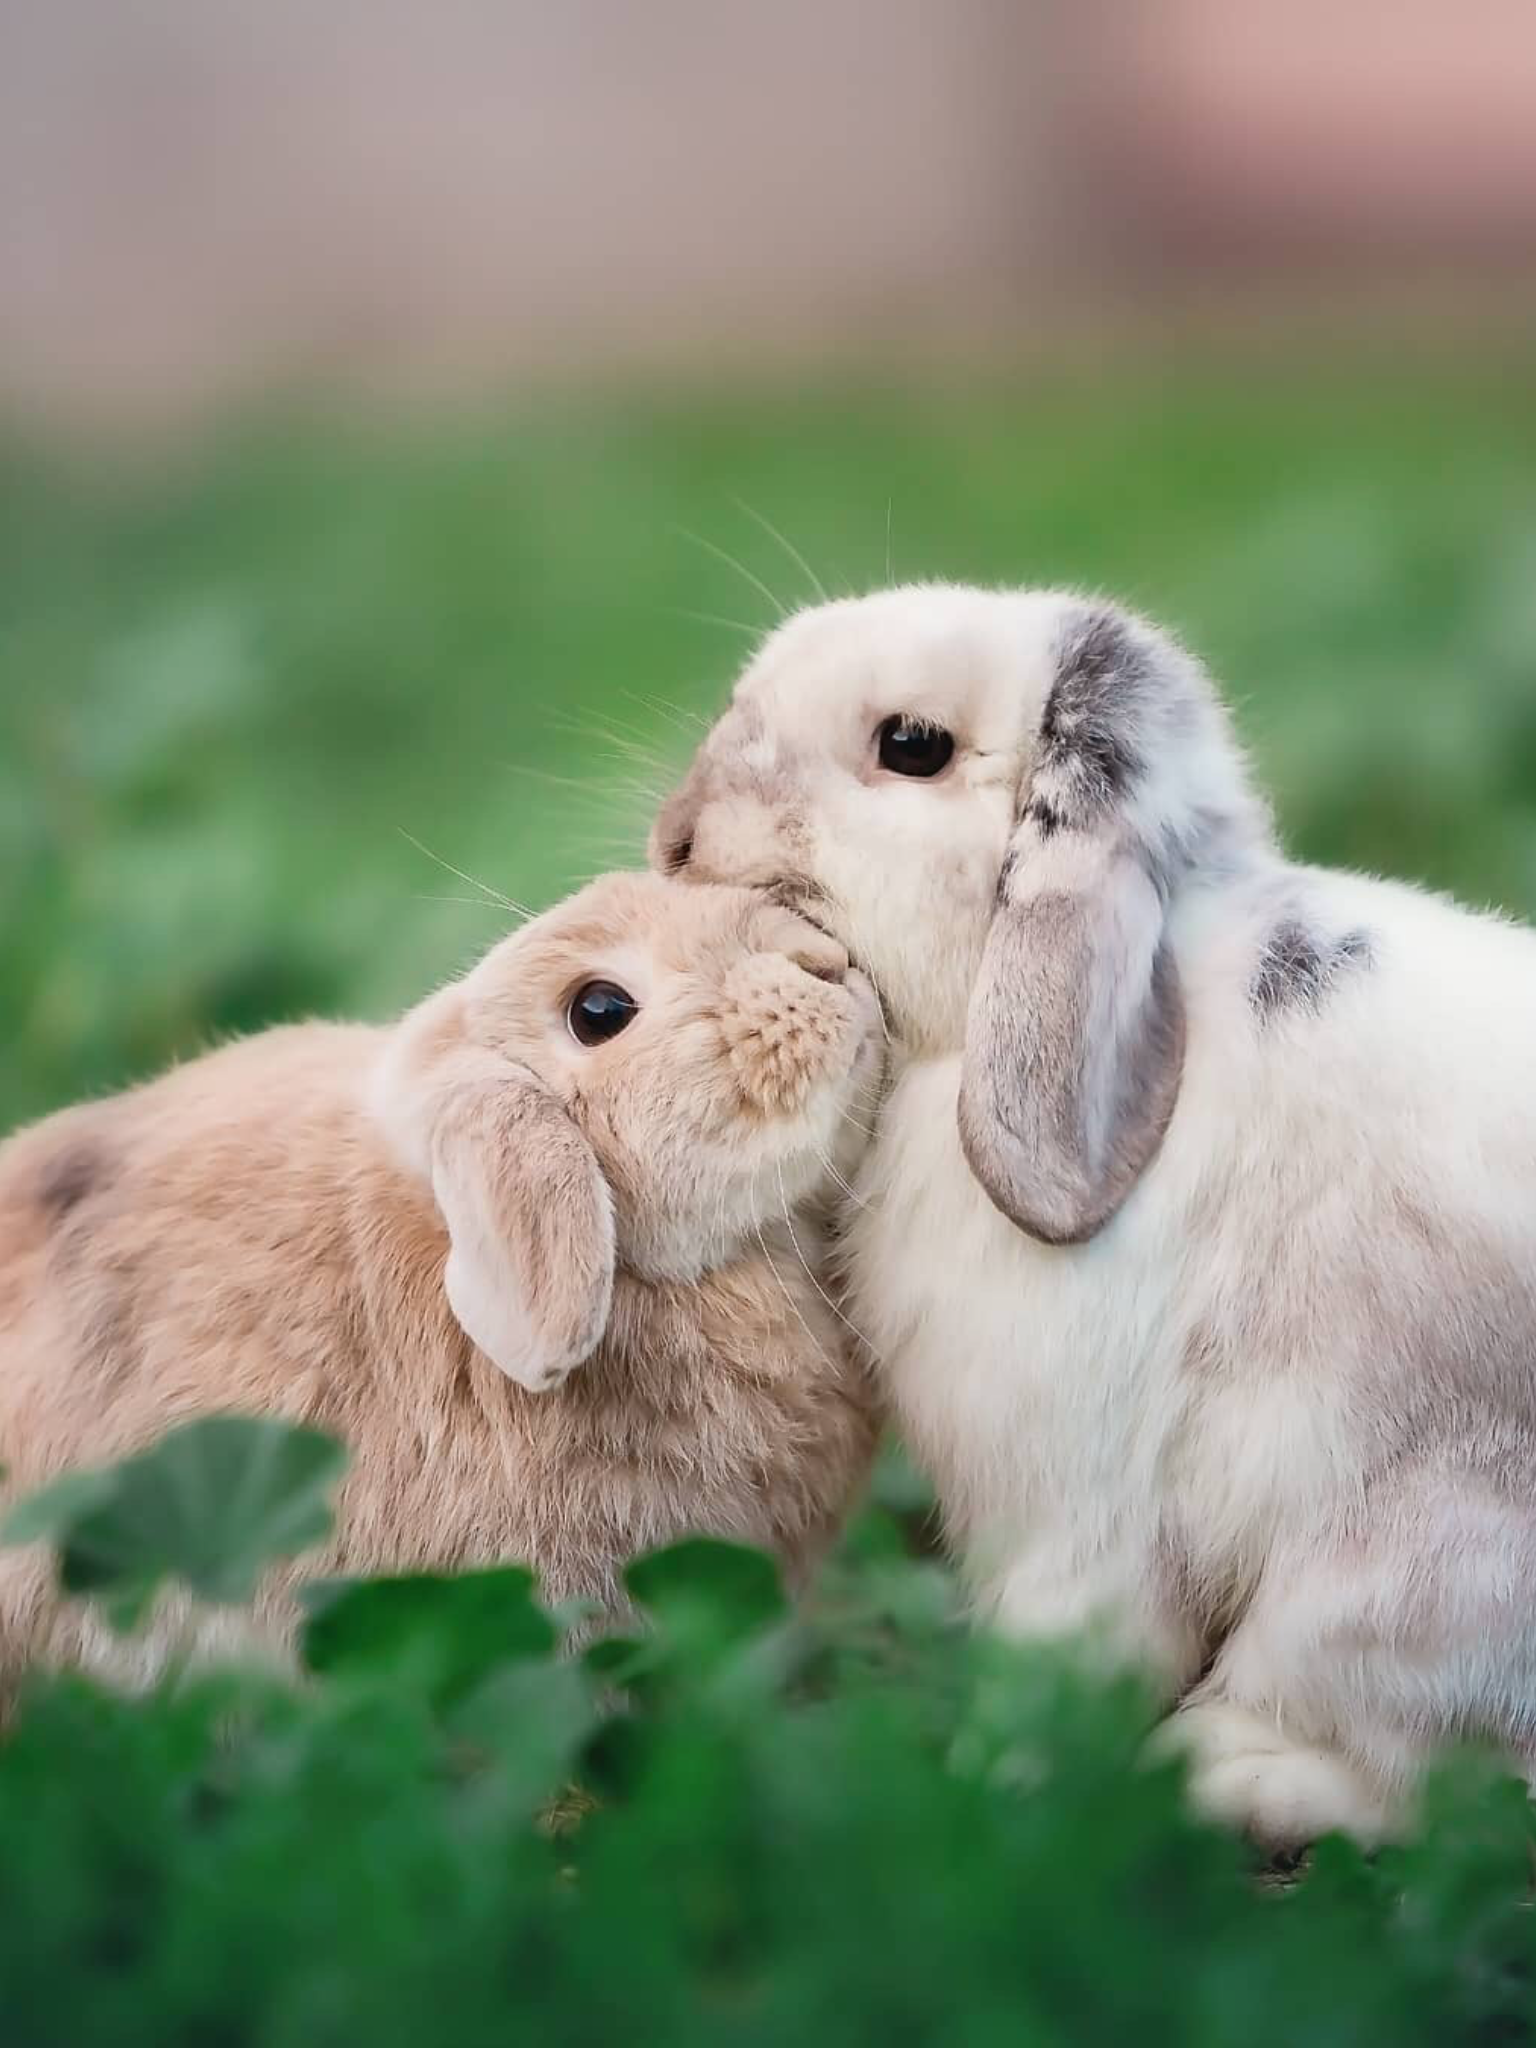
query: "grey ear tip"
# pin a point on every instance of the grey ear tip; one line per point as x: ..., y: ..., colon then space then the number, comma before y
x: 1048, y: 1215
x: 1055, y: 1209
x: 1061, y: 1232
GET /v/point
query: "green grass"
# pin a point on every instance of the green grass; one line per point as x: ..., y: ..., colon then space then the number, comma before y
x: 231, y: 683
x: 228, y: 689
x: 857, y: 1822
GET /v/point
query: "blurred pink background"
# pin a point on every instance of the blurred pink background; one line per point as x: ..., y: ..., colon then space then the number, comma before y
x: 202, y: 201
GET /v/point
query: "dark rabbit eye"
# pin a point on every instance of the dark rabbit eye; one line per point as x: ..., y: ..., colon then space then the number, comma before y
x: 599, y: 1010
x: 908, y: 747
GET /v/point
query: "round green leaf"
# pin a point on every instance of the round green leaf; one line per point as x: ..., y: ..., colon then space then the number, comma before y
x: 212, y: 1504
x: 432, y: 1634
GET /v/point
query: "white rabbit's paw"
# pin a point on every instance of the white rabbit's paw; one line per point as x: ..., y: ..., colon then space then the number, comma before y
x: 1248, y: 1774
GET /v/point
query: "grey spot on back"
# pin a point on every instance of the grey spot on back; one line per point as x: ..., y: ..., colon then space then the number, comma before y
x: 102, y: 1286
x: 77, y: 1171
x: 1298, y: 968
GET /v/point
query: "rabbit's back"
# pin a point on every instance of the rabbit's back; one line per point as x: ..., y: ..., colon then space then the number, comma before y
x: 234, y: 1237
x: 215, y: 1238
x: 239, y: 1236
x: 1329, y: 1271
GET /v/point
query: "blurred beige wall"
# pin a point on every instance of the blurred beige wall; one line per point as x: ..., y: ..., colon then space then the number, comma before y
x: 200, y: 199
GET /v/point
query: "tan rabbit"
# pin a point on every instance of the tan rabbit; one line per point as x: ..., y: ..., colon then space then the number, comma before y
x: 541, y: 1255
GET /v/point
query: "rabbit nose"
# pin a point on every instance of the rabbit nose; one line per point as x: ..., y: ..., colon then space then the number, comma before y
x: 783, y: 1032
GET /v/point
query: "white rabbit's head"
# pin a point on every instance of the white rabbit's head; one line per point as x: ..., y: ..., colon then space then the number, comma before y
x: 991, y: 798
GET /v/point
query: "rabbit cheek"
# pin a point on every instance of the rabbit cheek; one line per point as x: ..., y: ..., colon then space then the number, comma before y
x: 748, y: 841
x: 783, y: 1032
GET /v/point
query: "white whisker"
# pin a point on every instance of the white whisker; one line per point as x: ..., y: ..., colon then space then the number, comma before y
x: 474, y: 882
x: 794, y: 1306
x: 800, y: 1255
x: 686, y: 722
x: 722, y: 1236
x: 472, y: 902
x: 549, y: 778
x: 631, y: 739
x: 730, y: 561
x: 788, y: 546
x: 713, y: 619
x: 833, y: 1174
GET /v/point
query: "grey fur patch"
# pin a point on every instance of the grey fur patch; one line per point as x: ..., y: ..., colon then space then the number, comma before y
x: 1086, y: 731
x: 1043, y: 815
x: 81, y: 1169
x: 674, y: 854
x: 1297, y: 968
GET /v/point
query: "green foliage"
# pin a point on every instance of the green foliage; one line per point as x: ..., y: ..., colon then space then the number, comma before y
x: 229, y: 688
x: 231, y: 685
x: 452, y: 1831
x: 210, y: 1504
x: 438, y: 1635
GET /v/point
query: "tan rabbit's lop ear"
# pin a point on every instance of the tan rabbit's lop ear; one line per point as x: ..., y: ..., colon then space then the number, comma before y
x: 1075, y: 1035
x: 530, y: 1219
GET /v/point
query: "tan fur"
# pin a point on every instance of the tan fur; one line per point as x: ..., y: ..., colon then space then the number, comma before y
x: 257, y: 1232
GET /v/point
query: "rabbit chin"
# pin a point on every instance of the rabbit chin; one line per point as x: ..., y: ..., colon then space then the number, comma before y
x: 759, y: 1184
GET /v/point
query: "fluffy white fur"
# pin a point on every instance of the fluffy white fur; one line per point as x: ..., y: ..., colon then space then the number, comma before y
x: 1265, y: 1410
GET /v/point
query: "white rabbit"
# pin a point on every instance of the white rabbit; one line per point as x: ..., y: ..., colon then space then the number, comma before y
x: 1198, y: 1240
x: 541, y: 1254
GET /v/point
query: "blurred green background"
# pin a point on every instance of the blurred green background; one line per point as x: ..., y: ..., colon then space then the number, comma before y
x: 257, y: 700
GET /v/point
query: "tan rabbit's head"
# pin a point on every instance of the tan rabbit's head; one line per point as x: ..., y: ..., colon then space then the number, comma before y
x: 646, y: 1076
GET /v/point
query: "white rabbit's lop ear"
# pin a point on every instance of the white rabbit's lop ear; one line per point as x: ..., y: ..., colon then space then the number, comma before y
x: 530, y: 1221
x: 1075, y: 1035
